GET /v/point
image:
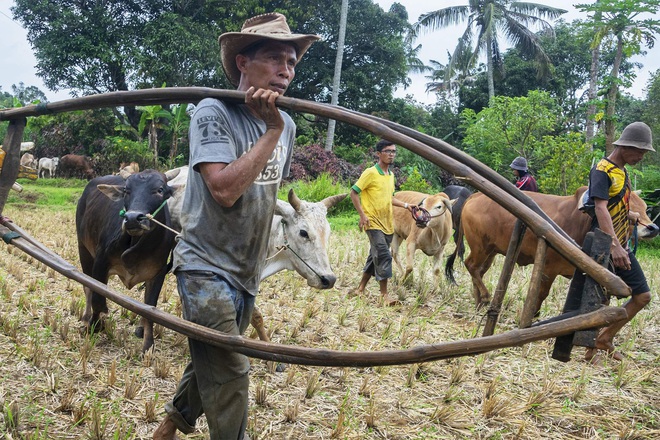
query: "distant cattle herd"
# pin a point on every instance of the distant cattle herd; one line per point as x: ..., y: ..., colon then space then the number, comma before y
x: 69, y: 166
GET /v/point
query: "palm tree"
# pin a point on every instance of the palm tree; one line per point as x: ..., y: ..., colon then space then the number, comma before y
x: 629, y: 25
x: 485, y: 20
x: 445, y: 80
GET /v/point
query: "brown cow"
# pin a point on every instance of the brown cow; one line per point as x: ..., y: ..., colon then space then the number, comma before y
x: 488, y: 228
x: 74, y: 165
x: 430, y: 239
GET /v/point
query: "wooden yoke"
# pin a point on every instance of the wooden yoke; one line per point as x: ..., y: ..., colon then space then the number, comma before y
x: 584, y: 295
x: 11, y: 147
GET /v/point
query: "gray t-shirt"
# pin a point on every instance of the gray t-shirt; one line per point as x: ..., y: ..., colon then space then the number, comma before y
x: 231, y: 242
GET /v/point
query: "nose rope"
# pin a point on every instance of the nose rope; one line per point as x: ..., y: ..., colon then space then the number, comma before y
x: 422, y: 216
x: 285, y: 246
x: 151, y: 217
x: 635, y: 238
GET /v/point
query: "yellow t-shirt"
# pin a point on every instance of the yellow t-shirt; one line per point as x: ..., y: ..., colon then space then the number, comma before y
x: 376, y: 190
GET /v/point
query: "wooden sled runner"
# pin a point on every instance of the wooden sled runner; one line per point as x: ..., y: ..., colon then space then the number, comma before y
x: 582, y: 313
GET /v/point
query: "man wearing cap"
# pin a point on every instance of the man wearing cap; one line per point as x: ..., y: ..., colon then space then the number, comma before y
x: 524, y: 179
x: 609, y: 190
x: 238, y: 155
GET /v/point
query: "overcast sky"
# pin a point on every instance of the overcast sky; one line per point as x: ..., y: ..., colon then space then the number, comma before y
x: 18, y: 60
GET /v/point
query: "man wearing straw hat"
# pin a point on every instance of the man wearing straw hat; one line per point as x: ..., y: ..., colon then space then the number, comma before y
x: 238, y: 154
x: 609, y: 192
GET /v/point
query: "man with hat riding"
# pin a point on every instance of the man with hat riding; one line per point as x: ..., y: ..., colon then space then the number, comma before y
x: 609, y: 192
x: 239, y: 153
x: 524, y: 179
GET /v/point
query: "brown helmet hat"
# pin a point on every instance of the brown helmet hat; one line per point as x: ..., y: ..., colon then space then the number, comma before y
x: 271, y: 26
x: 637, y: 135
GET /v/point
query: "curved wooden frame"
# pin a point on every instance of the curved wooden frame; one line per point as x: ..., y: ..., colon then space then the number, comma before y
x: 438, y: 152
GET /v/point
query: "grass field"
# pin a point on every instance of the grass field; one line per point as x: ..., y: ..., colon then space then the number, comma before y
x: 56, y: 383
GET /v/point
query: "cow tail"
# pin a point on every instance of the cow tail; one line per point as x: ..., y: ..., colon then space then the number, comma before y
x: 460, y: 251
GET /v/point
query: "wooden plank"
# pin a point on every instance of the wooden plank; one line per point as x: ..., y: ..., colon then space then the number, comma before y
x: 583, y: 295
x: 11, y: 163
x: 512, y: 253
x: 532, y: 300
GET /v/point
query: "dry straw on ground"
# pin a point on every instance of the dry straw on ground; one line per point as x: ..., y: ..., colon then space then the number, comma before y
x: 57, y: 384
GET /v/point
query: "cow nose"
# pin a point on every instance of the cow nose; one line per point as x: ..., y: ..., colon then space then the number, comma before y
x: 328, y: 281
x: 653, y: 229
x: 135, y: 222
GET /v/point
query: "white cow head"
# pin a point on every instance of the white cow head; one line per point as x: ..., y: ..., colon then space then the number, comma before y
x: 299, y: 240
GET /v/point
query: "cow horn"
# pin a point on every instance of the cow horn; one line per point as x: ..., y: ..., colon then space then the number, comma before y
x: 331, y: 201
x: 171, y: 174
x: 294, y: 200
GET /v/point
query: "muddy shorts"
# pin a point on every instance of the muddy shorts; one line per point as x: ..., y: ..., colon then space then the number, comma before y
x: 379, y: 261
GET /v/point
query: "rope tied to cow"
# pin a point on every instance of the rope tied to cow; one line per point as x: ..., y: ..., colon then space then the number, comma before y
x: 152, y: 217
x: 286, y: 246
x: 422, y: 216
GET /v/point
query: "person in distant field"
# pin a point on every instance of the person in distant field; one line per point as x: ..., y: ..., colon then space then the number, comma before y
x: 373, y: 198
x: 239, y: 154
x: 524, y: 179
x: 609, y: 192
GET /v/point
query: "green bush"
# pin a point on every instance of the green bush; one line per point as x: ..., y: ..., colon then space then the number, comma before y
x: 416, y: 182
x: 117, y: 150
x: 317, y: 190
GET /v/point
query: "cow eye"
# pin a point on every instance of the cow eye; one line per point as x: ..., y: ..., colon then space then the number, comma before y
x: 161, y: 190
x: 304, y: 233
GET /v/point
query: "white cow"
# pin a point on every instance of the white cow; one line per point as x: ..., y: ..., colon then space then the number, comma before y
x: 298, y: 239
x: 48, y: 164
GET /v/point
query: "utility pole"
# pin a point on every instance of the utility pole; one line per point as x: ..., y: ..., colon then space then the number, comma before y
x: 337, y: 78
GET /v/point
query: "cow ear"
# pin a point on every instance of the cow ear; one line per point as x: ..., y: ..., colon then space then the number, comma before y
x: 283, y: 209
x: 114, y: 192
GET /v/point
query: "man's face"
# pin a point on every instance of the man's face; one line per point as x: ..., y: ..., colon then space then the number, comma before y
x: 387, y: 154
x: 632, y: 155
x: 272, y: 67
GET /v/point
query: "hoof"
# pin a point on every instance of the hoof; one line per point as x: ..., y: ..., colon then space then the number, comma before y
x: 281, y: 368
x: 139, y: 332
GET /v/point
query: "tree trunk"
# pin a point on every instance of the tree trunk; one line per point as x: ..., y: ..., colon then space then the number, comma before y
x: 337, y: 77
x: 153, y: 139
x: 489, y: 64
x: 593, y: 85
x: 611, y: 97
x: 593, y: 82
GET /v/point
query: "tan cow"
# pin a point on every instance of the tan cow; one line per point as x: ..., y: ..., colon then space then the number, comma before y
x: 28, y: 160
x: 488, y: 228
x: 126, y: 170
x: 430, y: 239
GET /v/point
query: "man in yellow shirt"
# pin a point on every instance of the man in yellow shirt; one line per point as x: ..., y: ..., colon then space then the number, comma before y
x: 373, y: 198
x: 609, y: 190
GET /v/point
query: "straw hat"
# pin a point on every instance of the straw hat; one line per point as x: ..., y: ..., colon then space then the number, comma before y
x: 271, y: 26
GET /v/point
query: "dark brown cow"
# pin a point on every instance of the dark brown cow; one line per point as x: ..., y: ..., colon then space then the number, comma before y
x: 74, y: 165
x: 488, y: 228
x: 128, y: 245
